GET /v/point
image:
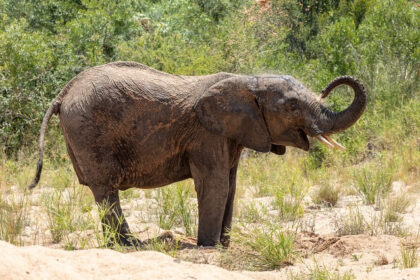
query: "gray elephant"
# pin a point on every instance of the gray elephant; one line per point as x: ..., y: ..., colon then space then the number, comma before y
x: 127, y: 125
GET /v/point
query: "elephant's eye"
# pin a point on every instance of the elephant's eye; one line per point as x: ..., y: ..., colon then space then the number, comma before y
x: 292, y: 105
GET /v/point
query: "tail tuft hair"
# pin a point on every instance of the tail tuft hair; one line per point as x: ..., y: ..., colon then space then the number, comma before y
x: 37, y: 176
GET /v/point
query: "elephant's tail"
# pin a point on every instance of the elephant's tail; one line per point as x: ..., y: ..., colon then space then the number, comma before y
x: 53, y: 109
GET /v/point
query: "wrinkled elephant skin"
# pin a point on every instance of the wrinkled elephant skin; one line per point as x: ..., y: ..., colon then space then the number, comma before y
x: 127, y: 125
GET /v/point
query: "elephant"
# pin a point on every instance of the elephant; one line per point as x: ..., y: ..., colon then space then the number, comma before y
x: 128, y: 125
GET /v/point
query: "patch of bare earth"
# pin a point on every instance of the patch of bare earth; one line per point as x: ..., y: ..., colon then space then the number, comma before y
x: 365, y: 256
x: 376, y: 253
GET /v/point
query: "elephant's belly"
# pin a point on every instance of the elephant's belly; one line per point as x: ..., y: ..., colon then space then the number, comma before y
x: 154, y: 175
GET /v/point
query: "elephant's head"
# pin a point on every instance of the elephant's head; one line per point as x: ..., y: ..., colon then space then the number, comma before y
x: 269, y: 112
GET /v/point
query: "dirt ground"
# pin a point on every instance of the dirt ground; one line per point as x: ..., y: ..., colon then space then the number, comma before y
x: 365, y: 256
x: 37, y: 262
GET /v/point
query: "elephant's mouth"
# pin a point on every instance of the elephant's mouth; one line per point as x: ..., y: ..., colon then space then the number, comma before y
x: 294, y: 138
x: 299, y: 138
x: 304, y: 140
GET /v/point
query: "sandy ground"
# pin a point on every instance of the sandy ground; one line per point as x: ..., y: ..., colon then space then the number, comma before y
x: 37, y: 262
x: 363, y: 256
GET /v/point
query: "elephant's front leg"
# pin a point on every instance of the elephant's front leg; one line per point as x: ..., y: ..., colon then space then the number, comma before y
x: 212, y: 188
x: 227, y: 218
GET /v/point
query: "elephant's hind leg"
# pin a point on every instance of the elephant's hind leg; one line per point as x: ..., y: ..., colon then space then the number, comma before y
x: 114, y: 225
x: 76, y: 166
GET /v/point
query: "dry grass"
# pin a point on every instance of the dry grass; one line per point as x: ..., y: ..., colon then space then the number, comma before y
x: 374, y: 182
x: 327, y: 195
x: 318, y: 272
x: 176, y: 207
x: 351, y: 224
x: 409, y: 255
x: 395, y: 206
x: 13, y: 217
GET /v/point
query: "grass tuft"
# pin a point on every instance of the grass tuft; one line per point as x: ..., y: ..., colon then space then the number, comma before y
x: 352, y: 224
x: 64, y: 209
x: 327, y: 195
x: 374, y: 182
x: 321, y: 273
x: 13, y: 218
x: 175, y: 208
x: 409, y: 255
x: 395, y: 206
x: 253, y: 213
x: 288, y: 199
x: 266, y: 248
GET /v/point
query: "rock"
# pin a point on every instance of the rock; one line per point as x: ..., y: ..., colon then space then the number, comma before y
x: 398, y: 187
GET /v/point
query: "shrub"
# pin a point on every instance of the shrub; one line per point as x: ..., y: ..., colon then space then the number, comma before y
x: 327, y: 194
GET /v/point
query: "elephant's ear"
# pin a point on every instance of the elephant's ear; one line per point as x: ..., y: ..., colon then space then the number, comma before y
x: 229, y: 108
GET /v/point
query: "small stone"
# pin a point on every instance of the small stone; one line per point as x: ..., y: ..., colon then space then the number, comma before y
x: 398, y: 187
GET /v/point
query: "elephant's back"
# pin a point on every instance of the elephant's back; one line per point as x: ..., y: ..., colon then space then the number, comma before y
x: 117, y: 98
x: 119, y: 119
x: 123, y: 95
x: 120, y: 81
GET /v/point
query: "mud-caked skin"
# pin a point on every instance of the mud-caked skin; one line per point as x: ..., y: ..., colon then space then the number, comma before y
x: 127, y: 125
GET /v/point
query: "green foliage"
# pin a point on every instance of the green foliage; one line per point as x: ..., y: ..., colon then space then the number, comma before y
x: 44, y: 15
x: 171, y: 54
x: 217, y: 9
x: 43, y: 44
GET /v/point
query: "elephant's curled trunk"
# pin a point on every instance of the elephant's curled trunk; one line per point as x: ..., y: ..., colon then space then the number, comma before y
x: 333, y: 122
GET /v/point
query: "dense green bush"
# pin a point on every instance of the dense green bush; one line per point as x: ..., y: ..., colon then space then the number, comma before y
x: 43, y: 44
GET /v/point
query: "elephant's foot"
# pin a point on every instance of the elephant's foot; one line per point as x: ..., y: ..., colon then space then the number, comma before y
x: 207, y: 242
x: 225, y: 241
x: 125, y: 241
x: 131, y: 241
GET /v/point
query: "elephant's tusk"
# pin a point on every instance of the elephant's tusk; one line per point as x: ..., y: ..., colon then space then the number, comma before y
x: 335, y: 143
x: 325, y: 141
